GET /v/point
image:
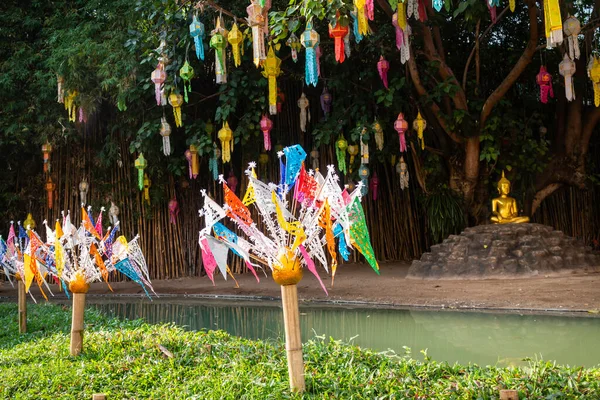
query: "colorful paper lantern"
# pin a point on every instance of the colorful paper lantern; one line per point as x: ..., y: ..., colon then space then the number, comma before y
x: 310, y: 41
x: 567, y: 69
x: 572, y: 28
x: 364, y: 147
x: 187, y: 73
x: 402, y: 170
x: 401, y: 126
x: 195, y: 161
x: 363, y: 173
x: 353, y: 151
x: 50, y: 186
x: 213, y: 162
x: 60, y: 81
x: 176, y: 101
x: 46, y: 151
x: 326, y: 101
x: 198, y: 32
x: 544, y: 80
x: 383, y: 66
x: 226, y: 137
x: 304, y: 104
x: 218, y: 41
x: 595, y: 77
x: 338, y: 33
x: 256, y: 20
x: 419, y: 125
x: 265, y: 126
x: 340, y: 151
x: 236, y: 40
x: 140, y: 165
x: 361, y: 14
x: 165, y: 132
x: 294, y: 43
x: 173, y: 210
x: 70, y: 105
x: 553, y: 23
x: 378, y: 135
x: 158, y: 76
x: 272, y: 69
x: 83, y: 190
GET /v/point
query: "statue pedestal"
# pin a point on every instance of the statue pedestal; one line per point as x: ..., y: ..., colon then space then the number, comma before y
x: 504, y: 251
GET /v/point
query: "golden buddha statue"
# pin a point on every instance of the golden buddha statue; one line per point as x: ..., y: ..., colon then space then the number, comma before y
x: 504, y: 208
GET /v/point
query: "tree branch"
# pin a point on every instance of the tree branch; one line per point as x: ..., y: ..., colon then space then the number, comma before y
x: 542, y: 194
x: 518, y: 68
x: 422, y: 92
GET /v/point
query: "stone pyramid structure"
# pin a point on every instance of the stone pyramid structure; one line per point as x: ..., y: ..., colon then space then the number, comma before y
x: 505, y: 251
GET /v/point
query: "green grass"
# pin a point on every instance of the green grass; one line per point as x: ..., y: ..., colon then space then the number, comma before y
x: 122, y: 359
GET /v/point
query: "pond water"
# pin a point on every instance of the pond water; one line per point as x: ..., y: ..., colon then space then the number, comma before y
x: 466, y: 337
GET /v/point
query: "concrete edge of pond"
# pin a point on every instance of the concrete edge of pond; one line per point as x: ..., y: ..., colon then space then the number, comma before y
x: 269, y: 300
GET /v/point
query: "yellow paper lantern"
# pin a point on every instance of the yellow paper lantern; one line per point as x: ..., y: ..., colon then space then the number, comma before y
x: 226, y: 137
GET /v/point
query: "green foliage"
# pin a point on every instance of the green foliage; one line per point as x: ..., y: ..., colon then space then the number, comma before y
x: 122, y: 360
x: 445, y: 213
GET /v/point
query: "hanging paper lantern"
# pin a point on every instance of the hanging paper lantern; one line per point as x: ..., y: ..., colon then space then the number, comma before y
x: 405, y: 49
x: 271, y: 72
x: 213, y: 163
x: 218, y: 41
x: 419, y: 125
x: 326, y: 101
x: 158, y: 77
x: 83, y: 190
x: 140, y: 165
x: 544, y: 80
x: 176, y: 101
x: 70, y: 105
x: 165, y: 132
x: 304, y: 111
x: 188, y: 157
x: 198, y: 33
x: 46, y: 150
x: 353, y: 151
x: 195, y: 161
x: 314, y: 158
x: 236, y: 40
x: 256, y: 20
x: 402, y: 169
x: 492, y: 4
x: 147, y: 184
x: 340, y: 152
x: 595, y: 77
x: 383, y: 67
x: 363, y: 173
x: 50, y: 186
x: 401, y: 126
x: 567, y: 69
x: 572, y: 27
x: 338, y: 33
x: 347, y: 48
x: 265, y: 126
x: 173, y: 210
x: 226, y: 137
x: 361, y: 14
x: 378, y: 135
x: 310, y: 40
x: 294, y: 43
x: 374, y: 186
x: 512, y: 5
x: 437, y: 4
x: 187, y: 73
x: 232, y: 181
x: 61, y: 91
x: 113, y: 214
x: 364, y: 147
x: 553, y: 23
x: 412, y: 9
x: 280, y: 100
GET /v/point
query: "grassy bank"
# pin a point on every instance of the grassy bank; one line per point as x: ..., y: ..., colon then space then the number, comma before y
x: 123, y: 360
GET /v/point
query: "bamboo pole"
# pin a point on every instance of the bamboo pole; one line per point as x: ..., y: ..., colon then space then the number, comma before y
x: 77, y: 323
x: 293, y: 341
x: 22, y: 307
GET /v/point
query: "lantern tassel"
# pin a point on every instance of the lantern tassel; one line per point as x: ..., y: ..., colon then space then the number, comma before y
x: 402, y: 143
x: 166, y: 146
x: 341, y: 158
x: 258, y: 45
x: 512, y: 5
x: 141, y: 179
x: 311, y: 67
x: 370, y: 7
x: 340, y: 55
x: 272, y: 95
x: 199, y: 47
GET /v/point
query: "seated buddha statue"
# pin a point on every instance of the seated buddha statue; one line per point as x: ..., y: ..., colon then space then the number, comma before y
x: 504, y: 208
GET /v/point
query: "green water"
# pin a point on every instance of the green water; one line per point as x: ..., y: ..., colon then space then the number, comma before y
x: 464, y: 337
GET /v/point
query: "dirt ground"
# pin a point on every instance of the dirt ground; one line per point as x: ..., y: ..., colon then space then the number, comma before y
x: 359, y: 283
